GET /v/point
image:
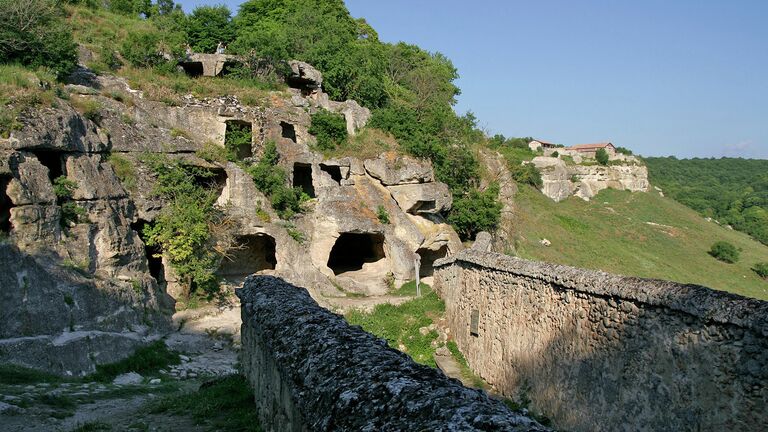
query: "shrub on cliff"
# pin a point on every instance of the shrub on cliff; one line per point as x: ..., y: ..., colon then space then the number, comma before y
x: 602, y: 156
x: 329, y: 128
x: 271, y: 180
x: 477, y: 211
x: 724, y: 252
x: 33, y: 33
x: 527, y: 174
x: 192, y: 232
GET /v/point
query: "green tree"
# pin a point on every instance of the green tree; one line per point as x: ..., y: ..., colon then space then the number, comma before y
x: 271, y: 179
x: 475, y: 212
x: 725, y: 252
x: 207, y: 26
x: 33, y: 33
x: 602, y: 156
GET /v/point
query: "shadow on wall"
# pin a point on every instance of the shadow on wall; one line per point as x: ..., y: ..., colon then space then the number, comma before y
x: 603, y: 363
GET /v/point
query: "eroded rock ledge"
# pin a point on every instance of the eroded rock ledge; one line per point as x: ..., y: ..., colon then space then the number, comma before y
x: 310, y: 370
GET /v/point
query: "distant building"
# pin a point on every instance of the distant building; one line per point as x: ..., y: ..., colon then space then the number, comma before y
x: 535, y: 145
x: 589, y: 150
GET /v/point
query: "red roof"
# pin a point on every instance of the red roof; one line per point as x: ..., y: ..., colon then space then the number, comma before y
x: 590, y: 146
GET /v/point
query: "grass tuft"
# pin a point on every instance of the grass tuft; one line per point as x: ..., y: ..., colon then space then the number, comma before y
x: 145, y: 360
x: 225, y: 404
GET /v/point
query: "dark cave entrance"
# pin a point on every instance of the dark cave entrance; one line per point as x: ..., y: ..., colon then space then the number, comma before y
x: 256, y: 253
x: 193, y: 69
x: 5, y: 205
x: 333, y: 170
x: 428, y: 258
x: 287, y: 130
x: 52, y: 160
x: 302, y: 178
x: 238, y: 139
x: 352, y: 250
x: 153, y: 253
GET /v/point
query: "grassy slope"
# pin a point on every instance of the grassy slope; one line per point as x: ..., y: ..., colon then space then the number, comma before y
x: 610, y: 233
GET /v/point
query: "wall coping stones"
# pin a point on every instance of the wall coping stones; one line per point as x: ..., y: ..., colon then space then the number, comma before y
x: 696, y: 300
x: 342, y: 378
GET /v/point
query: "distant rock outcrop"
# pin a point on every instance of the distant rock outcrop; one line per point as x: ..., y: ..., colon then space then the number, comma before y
x: 561, y: 180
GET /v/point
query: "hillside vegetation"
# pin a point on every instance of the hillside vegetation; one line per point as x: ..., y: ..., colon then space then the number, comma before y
x: 636, y: 234
x: 733, y: 191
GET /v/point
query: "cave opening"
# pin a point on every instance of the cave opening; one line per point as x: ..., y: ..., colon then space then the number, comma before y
x: 154, y: 254
x: 254, y: 254
x: 302, y: 178
x: 333, y: 170
x: 5, y: 205
x: 423, y: 206
x: 193, y: 69
x: 428, y: 258
x: 238, y: 139
x: 352, y: 250
x: 53, y: 161
x: 288, y: 130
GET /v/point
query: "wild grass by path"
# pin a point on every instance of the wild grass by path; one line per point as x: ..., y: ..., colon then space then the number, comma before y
x: 636, y: 234
x: 399, y: 325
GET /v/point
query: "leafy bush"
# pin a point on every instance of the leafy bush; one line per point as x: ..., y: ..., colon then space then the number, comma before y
x: 271, y: 179
x: 555, y: 154
x: 475, y: 212
x: 761, y: 269
x: 238, y: 140
x: 329, y: 128
x: 725, y: 252
x: 602, y: 156
x: 33, y: 33
x: 527, y: 174
x: 190, y: 230
x: 63, y: 187
x: 624, y: 151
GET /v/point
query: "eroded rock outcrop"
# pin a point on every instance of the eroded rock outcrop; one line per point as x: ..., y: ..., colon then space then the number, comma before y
x: 561, y: 180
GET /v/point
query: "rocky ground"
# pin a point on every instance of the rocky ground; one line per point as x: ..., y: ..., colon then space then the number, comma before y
x: 208, y: 339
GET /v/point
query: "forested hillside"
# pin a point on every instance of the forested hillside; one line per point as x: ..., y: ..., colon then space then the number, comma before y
x: 733, y: 191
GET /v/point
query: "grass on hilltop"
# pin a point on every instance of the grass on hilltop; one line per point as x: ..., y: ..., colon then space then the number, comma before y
x: 636, y: 234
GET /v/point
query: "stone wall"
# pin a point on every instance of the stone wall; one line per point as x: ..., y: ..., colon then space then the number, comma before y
x: 310, y: 370
x: 596, y: 351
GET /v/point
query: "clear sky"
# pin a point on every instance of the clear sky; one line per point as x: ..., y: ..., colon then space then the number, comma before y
x: 682, y: 77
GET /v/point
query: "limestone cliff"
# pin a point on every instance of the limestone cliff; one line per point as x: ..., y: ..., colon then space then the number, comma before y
x: 562, y: 180
x: 80, y: 292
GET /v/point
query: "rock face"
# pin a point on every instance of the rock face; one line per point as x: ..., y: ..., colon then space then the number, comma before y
x: 620, y: 353
x: 562, y: 180
x: 311, y: 370
x: 362, y: 230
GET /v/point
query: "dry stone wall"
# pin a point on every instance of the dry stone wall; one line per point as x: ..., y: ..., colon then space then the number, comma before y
x: 310, y: 370
x: 596, y: 351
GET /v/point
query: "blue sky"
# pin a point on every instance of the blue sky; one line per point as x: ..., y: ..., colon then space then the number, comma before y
x: 684, y: 77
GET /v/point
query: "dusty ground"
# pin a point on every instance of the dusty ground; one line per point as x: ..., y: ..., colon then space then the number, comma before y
x: 209, y: 341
